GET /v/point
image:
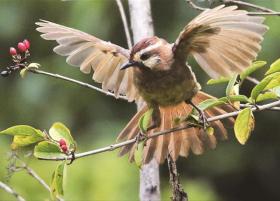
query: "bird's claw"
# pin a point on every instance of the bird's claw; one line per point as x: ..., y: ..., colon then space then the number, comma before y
x: 203, y: 119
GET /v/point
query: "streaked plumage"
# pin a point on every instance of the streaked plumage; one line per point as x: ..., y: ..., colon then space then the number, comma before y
x: 222, y: 40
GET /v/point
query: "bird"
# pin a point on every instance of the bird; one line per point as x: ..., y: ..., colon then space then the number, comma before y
x: 155, y: 73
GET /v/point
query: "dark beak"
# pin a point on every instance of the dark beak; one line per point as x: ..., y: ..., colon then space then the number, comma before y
x: 129, y: 64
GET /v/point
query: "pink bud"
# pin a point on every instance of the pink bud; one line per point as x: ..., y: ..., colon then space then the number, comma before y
x: 26, y: 43
x: 62, y: 142
x: 22, y: 47
x: 64, y: 148
x: 13, y: 51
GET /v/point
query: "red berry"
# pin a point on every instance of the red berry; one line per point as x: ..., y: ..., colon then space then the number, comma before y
x: 64, y: 148
x: 22, y: 47
x: 13, y: 51
x: 26, y: 43
x: 62, y: 142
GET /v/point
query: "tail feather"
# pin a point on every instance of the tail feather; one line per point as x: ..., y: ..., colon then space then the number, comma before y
x: 179, y: 142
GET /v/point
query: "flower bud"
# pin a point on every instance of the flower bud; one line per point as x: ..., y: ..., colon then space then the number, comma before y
x: 64, y: 148
x: 22, y: 47
x: 26, y: 43
x: 13, y: 51
x: 62, y: 142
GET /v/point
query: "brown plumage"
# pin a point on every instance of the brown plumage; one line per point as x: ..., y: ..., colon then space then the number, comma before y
x: 222, y: 40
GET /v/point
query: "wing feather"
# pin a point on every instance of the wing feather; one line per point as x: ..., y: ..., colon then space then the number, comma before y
x: 90, y: 53
x: 223, y: 40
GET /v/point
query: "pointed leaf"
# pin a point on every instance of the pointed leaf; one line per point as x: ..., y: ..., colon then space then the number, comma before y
x: 23, y: 130
x: 275, y: 82
x: 276, y: 90
x: 209, y: 103
x: 275, y: 67
x: 145, y: 120
x: 259, y: 88
x: 57, y: 181
x: 267, y: 96
x: 60, y: 131
x: 231, y: 84
x: 255, y: 66
x: 218, y: 81
x: 24, y: 135
x: 48, y: 150
x: 240, y: 98
x: 244, y: 125
x: 138, y: 154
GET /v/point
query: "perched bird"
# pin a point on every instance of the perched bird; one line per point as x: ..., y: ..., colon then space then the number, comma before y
x: 223, y: 40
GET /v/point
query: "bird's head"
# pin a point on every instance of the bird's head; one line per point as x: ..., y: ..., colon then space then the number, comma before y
x: 151, y: 53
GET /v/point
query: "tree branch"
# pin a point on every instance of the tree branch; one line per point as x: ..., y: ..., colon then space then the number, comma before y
x: 32, y: 173
x: 142, y: 27
x: 9, y: 190
x: 178, y: 193
x: 265, y: 11
x: 57, y: 76
x: 125, y: 24
x: 165, y: 132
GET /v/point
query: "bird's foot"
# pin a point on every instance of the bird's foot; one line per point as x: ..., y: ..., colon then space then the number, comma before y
x: 202, y: 117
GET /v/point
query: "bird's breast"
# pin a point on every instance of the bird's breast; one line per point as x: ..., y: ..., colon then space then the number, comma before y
x: 166, y: 87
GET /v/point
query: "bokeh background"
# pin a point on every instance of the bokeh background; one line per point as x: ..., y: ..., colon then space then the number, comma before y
x: 229, y: 173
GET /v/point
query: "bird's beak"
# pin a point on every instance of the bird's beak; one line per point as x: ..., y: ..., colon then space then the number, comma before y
x: 129, y: 64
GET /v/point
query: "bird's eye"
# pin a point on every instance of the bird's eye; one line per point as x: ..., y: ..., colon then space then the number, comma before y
x: 144, y: 56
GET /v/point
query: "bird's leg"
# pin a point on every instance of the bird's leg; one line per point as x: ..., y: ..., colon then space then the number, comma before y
x: 156, y: 121
x: 202, y: 116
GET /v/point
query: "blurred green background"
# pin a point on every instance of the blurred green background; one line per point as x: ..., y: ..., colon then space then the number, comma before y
x: 229, y: 173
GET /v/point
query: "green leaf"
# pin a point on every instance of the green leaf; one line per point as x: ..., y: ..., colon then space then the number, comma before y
x: 240, y: 98
x: 138, y: 154
x: 230, y: 86
x: 255, y: 66
x: 47, y: 150
x: 23, y: 130
x: 210, y: 130
x: 23, y: 135
x: 275, y: 82
x: 267, y: 96
x: 60, y: 131
x: 209, y: 103
x: 259, y: 88
x: 244, y: 125
x: 56, y: 185
x: 276, y: 90
x: 218, y: 81
x: 145, y: 120
x: 275, y: 67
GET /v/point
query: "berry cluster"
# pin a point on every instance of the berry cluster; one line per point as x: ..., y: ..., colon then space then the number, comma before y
x: 19, y: 57
x: 63, y: 146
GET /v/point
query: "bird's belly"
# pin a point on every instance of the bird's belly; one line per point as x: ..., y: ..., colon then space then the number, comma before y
x: 169, y: 91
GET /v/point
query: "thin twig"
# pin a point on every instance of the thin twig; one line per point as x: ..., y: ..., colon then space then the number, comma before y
x: 250, y: 5
x: 76, y: 82
x: 156, y: 134
x: 178, y: 193
x: 32, y: 173
x: 11, y: 191
x: 125, y: 24
x: 266, y: 11
x: 193, y: 5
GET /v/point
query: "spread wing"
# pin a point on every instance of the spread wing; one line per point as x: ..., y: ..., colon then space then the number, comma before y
x: 90, y: 53
x: 222, y: 40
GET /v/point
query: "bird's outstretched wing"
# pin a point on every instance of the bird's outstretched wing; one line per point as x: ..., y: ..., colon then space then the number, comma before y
x: 90, y: 53
x: 222, y: 40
